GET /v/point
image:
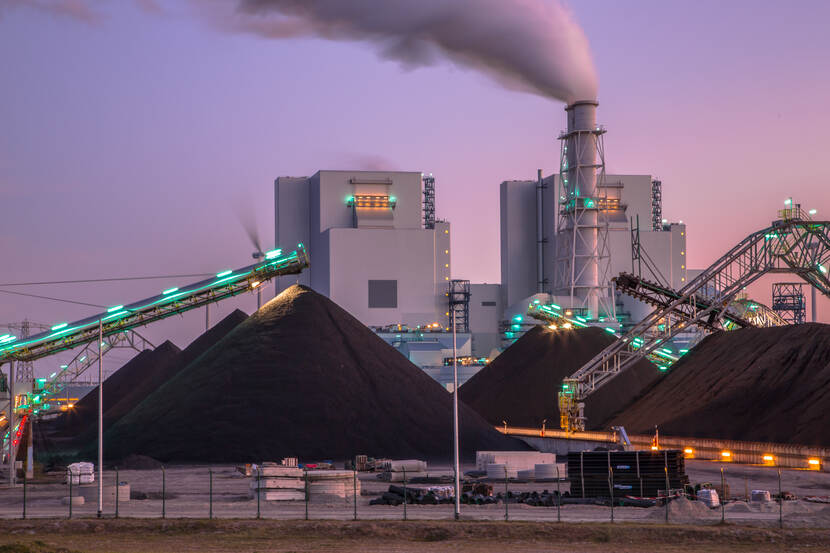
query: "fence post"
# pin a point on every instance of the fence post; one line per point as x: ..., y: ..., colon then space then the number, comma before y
x: 722, y: 499
x: 210, y: 493
x: 69, y: 472
x: 354, y: 489
x: 666, y: 469
x: 780, y: 501
x: 258, y: 488
x: 611, y: 490
x: 163, y: 492
x: 506, y: 493
x: 24, y: 494
x: 404, y: 493
x: 305, y: 475
x: 558, y: 496
x: 117, y: 490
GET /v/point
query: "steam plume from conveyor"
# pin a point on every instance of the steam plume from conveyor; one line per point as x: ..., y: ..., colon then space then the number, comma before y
x: 527, y: 45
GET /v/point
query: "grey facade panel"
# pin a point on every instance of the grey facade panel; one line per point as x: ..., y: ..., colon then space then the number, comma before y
x: 383, y: 294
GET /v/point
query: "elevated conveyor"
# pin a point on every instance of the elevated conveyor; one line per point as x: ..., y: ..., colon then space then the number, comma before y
x: 792, y: 244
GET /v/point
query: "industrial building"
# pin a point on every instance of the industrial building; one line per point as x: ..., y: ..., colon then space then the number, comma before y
x: 378, y: 251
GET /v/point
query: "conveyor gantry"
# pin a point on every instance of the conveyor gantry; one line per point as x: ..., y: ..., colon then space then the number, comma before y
x: 792, y: 244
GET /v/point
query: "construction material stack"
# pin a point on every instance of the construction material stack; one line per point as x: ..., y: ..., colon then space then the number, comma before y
x: 275, y: 482
x: 627, y: 473
x: 395, y: 471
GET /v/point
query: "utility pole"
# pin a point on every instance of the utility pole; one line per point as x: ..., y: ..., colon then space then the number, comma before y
x: 455, y: 421
x: 11, y: 424
x: 100, y: 418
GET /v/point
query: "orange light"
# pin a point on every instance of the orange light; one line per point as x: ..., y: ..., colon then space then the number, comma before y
x: 768, y: 459
x: 815, y: 464
x: 688, y: 451
x: 727, y: 455
x: 255, y: 283
x: 654, y: 448
x: 70, y: 405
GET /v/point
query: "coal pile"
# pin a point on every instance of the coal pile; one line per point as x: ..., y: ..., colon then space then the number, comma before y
x: 141, y: 376
x: 299, y: 378
x: 520, y: 386
x: 637, y: 473
x: 148, y: 364
x: 755, y: 384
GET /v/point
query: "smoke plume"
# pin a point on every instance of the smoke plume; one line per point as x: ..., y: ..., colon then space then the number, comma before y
x: 527, y: 45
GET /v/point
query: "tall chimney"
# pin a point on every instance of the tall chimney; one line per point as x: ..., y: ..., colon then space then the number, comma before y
x: 580, y: 212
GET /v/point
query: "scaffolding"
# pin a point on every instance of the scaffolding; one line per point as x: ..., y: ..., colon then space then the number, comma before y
x: 656, y: 204
x: 429, y: 201
x: 789, y: 302
x: 458, y: 296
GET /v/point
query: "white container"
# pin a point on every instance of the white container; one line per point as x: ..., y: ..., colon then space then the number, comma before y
x: 709, y: 498
x: 519, y: 460
x: 547, y: 471
x: 496, y: 471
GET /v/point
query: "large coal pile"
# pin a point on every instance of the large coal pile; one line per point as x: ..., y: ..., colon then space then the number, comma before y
x: 756, y: 384
x: 520, y: 386
x: 140, y: 377
x: 301, y: 377
x: 147, y: 364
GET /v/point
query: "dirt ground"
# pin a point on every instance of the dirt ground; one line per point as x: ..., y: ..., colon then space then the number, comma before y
x: 184, y: 536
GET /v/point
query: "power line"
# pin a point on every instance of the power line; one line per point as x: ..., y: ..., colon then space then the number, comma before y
x: 53, y: 299
x: 115, y: 279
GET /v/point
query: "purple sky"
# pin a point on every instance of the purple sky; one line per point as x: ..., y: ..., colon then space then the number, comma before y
x: 130, y: 137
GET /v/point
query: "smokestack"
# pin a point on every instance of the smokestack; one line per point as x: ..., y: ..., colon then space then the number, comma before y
x: 582, y: 207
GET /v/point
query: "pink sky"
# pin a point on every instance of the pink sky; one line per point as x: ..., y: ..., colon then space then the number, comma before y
x: 128, y: 135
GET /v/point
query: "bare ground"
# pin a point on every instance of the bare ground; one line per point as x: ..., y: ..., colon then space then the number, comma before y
x: 247, y: 536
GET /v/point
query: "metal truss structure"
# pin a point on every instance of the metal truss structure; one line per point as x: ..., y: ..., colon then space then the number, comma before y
x: 789, y: 302
x: 25, y: 371
x: 656, y: 205
x: 121, y: 318
x: 792, y: 244
x: 429, y: 201
x: 458, y: 295
x: 582, y: 226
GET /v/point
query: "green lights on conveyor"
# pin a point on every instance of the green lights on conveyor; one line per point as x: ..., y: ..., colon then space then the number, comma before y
x: 115, y: 308
x: 223, y: 274
x: 610, y: 330
x: 60, y: 326
x: 823, y: 269
x: 270, y: 255
x: 169, y: 291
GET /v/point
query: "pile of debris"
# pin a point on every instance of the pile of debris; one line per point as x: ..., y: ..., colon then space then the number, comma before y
x: 402, y: 471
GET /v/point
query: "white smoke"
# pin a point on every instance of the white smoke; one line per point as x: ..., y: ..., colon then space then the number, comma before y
x: 529, y: 45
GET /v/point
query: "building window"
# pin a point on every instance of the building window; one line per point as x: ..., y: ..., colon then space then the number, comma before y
x: 383, y: 293
x: 488, y: 304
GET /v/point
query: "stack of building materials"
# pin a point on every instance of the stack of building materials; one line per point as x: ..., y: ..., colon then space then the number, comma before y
x: 634, y: 473
x: 81, y: 473
x: 278, y: 483
x: 326, y: 485
x: 519, y: 460
x: 394, y: 471
x: 524, y: 465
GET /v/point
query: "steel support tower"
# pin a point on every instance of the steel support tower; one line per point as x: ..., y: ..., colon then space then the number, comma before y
x: 458, y: 296
x: 789, y: 302
x: 582, y: 273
